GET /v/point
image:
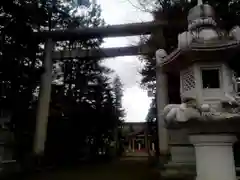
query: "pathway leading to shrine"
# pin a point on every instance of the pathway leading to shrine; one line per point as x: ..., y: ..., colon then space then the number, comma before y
x: 124, y: 169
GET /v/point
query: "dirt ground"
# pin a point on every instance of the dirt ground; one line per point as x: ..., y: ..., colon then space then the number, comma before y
x: 124, y: 169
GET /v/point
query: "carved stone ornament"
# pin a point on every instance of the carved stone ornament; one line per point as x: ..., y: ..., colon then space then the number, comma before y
x: 235, y: 33
x: 160, y: 55
x: 184, y: 40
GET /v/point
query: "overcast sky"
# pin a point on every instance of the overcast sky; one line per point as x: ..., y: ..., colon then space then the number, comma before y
x: 135, y: 100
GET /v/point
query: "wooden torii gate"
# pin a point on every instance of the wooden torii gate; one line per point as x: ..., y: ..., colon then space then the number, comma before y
x: 84, y: 33
x: 102, y: 53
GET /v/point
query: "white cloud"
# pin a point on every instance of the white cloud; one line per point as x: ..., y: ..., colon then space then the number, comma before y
x: 122, y: 11
x: 135, y: 100
x: 137, y: 103
x: 127, y: 68
x: 120, y: 41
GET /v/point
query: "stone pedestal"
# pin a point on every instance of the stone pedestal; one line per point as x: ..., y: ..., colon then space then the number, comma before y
x: 212, y: 141
x: 183, y: 154
x: 214, y: 156
x: 182, y: 158
x: 181, y: 149
x: 181, y: 163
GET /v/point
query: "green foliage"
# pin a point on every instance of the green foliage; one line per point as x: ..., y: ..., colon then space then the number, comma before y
x: 19, y: 66
x: 83, y: 107
x: 118, y: 94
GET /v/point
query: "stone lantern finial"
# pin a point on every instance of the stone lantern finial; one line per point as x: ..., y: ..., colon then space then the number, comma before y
x: 200, y: 2
x: 201, y: 15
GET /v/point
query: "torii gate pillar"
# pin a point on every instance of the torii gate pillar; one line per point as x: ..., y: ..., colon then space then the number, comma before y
x: 44, y: 100
x: 162, y: 101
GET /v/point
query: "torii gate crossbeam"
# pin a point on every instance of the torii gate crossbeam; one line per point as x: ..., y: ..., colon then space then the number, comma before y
x: 120, y: 30
x: 102, y: 52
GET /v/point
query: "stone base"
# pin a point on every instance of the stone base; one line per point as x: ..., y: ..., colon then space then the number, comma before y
x: 183, y: 154
x: 179, y: 171
x: 181, y: 163
x: 214, y: 156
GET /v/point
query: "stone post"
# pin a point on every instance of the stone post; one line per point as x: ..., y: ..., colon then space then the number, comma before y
x: 133, y: 146
x: 129, y: 145
x: 214, y: 156
x: 44, y: 99
x: 146, y: 141
x: 153, y: 147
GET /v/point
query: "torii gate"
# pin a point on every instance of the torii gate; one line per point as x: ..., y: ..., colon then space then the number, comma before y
x: 50, y: 37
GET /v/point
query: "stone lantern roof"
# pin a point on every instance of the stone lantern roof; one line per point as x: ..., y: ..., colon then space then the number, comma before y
x: 202, y: 14
x: 199, y: 51
x: 203, y: 39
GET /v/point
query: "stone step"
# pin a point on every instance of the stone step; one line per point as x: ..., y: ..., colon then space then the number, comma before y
x: 179, y: 175
x: 191, y: 166
x: 181, y: 170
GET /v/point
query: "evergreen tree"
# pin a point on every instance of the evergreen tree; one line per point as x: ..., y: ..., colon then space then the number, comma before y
x: 118, y: 93
x: 82, y: 114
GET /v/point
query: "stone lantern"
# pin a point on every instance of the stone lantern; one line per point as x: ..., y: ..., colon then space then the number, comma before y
x: 210, y: 108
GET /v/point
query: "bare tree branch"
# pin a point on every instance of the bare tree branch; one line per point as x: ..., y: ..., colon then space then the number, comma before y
x: 143, y: 8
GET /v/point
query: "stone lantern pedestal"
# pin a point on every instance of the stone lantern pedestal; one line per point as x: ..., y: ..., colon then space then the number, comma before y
x: 214, y: 156
x: 210, y: 102
x: 213, y: 143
